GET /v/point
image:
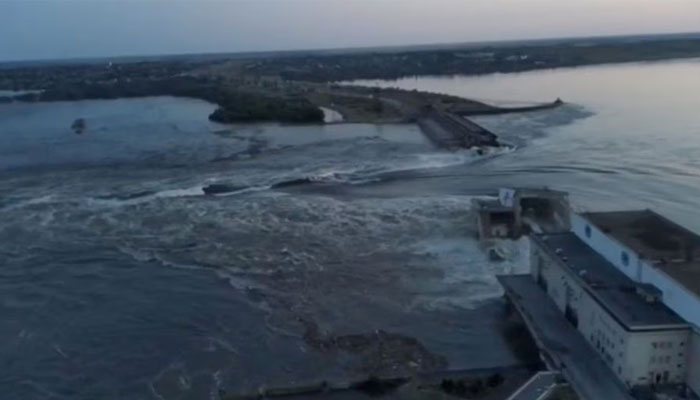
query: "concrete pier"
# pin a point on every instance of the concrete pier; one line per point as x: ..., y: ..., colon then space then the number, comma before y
x: 452, y: 132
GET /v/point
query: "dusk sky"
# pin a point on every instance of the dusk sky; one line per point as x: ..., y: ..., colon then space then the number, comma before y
x: 41, y: 29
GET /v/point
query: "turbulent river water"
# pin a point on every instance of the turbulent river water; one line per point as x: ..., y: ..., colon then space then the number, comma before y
x: 120, y: 279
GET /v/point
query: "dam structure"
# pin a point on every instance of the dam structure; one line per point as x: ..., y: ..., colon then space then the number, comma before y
x: 611, y: 300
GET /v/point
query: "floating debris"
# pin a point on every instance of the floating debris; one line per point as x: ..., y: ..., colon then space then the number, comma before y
x: 78, y: 126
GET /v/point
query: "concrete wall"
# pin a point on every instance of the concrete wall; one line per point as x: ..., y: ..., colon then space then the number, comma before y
x: 685, y: 303
x: 559, y: 285
x: 607, y: 247
x: 605, y: 335
x: 635, y: 357
x: 657, y: 355
x: 675, y: 296
x: 693, y: 378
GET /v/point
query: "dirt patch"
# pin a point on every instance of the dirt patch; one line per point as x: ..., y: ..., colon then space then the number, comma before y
x: 380, y: 353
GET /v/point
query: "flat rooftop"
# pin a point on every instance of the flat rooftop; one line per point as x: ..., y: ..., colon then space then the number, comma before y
x: 651, y: 235
x: 672, y: 248
x: 613, y: 290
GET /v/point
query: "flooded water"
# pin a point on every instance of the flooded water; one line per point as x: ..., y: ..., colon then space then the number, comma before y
x: 628, y: 137
x: 121, y: 279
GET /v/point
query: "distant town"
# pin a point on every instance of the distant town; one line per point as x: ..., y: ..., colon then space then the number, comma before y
x: 291, y: 86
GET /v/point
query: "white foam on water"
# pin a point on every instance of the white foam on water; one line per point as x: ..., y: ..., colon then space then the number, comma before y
x: 467, y: 275
x: 31, y: 202
x: 331, y: 116
x: 163, y: 194
x: 252, y: 189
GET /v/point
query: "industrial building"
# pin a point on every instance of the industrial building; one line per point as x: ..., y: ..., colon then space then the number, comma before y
x: 629, y: 282
x: 653, y: 252
x: 640, y: 339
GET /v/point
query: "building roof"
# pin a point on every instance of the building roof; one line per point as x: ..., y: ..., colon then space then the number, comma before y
x: 687, y: 274
x: 613, y: 290
x: 651, y: 235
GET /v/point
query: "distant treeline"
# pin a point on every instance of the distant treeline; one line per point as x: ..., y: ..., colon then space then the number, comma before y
x: 471, y: 61
x: 234, y: 106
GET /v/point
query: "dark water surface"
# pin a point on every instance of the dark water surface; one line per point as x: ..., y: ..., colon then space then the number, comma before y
x: 121, y: 280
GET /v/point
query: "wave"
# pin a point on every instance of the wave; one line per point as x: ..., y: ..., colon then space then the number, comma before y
x: 374, y: 172
x: 357, y: 175
x: 145, y: 196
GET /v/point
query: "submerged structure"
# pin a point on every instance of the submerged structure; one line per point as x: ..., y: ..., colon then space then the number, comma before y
x: 522, y: 210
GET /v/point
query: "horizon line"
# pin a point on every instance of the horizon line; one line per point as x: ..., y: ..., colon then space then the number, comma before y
x: 358, y: 49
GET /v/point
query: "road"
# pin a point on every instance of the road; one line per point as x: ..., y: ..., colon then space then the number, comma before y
x: 562, y: 343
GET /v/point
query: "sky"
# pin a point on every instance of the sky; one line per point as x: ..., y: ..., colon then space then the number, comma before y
x: 53, y: 29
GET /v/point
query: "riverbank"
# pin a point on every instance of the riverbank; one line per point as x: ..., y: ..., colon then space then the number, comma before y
x: 276, y: 100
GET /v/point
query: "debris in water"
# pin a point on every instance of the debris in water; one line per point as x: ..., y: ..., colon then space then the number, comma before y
x: 78, y: 126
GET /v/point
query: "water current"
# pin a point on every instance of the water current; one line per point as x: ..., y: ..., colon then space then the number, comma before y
x: 120, y: 278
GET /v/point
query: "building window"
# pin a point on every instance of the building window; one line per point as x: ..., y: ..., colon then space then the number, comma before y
x: 588, y: 231
x: 625, y: 258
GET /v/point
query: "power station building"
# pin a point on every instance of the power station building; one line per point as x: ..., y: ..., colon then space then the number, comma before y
x: 630, y: 283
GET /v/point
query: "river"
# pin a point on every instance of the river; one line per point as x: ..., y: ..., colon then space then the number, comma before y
x: 628, y: 137
x: 121, y: 279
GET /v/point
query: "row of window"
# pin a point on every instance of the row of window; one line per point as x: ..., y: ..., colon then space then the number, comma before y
x: 665, y: 345
x: 660, y: 360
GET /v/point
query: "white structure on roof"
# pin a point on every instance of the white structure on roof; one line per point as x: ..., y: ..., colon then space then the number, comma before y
x: 652, y: 250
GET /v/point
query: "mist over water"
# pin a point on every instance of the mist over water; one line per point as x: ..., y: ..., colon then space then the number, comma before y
x: 121, y: 279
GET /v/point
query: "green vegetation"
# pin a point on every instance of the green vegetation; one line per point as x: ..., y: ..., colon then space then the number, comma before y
x: 290, y: 87
x: 234, y: 106
x: 259, y: 108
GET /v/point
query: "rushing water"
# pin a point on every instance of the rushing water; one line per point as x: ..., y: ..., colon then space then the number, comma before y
x: 629, y: 137
x: 121, y: 279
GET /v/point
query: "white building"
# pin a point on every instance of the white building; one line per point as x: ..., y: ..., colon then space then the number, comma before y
x: 640, y: 338
x: 650, y: 249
